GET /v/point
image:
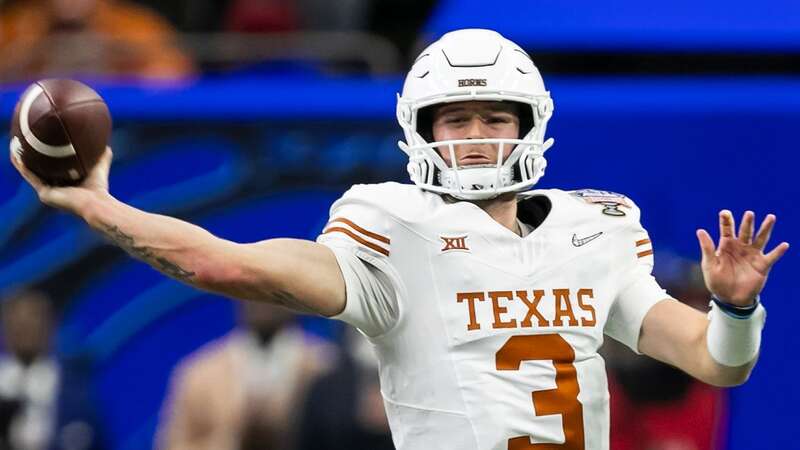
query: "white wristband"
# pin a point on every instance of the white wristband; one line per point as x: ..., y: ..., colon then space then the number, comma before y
x: 732, y: 341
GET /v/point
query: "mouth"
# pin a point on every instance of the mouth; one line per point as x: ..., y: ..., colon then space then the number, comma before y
x: 474, y: 158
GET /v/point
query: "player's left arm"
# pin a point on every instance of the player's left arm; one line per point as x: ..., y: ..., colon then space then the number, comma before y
x: 735, y: 272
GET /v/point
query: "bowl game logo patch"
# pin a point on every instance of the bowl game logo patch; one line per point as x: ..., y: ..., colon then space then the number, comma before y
x: 595, y: 196
x: 611, y: 200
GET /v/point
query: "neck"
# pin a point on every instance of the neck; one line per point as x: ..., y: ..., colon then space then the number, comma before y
x: 503, y: 210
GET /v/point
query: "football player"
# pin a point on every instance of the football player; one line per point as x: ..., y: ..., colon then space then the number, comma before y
x: 486, y: 302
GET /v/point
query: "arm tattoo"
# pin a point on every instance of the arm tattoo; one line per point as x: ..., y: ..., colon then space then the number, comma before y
x: 288, y: 300
x: 127, y: 243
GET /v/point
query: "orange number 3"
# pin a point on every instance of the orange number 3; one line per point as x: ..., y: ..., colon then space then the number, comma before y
x: 561, y: 400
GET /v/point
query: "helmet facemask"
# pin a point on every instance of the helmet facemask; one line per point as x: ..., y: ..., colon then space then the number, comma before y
x: 506, y: 74
x: 519, y: 171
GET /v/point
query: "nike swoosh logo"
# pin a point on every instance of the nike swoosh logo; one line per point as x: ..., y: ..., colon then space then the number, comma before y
x: 578, y: 242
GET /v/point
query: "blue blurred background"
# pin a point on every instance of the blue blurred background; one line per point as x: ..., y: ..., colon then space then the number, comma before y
x: 686, y: 107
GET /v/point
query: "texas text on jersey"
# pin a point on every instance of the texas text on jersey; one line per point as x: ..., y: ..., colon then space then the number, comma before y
x: 488, y: 339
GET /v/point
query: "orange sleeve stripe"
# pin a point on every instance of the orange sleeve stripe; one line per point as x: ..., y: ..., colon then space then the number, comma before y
x: 358, y: 239
x: 375, y: 236
x: 642, y: 242
x: 644, y: 253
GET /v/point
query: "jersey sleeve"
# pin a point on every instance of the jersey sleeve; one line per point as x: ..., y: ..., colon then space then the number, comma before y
x: 359, y: 234
x: 638, y: 289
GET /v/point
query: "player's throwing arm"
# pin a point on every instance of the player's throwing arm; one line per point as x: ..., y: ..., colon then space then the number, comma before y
x: 278, y: 271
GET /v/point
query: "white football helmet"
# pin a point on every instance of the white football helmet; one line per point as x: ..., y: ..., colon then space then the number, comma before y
x: 474, y: 65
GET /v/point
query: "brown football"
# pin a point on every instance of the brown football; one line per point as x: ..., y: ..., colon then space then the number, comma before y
x: 60, y: 129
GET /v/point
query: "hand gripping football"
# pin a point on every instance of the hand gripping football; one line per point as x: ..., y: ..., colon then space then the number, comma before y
x: 60, y: 129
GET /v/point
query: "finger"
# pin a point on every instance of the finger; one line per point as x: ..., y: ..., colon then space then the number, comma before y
x: 106, y: 158
x: 29, y: 176
x: 776, y: 253
x: 746, y: 228
x: 13, y: 154
x: 13, y: 150
x: 98, y: 176
x: 14, y: 159
x: 764, y: 232
x: 104, y: 164
x: 706, y: 245
x: 726, y: 224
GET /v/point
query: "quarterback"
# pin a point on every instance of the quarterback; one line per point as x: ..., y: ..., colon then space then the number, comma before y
x: 485, y: 301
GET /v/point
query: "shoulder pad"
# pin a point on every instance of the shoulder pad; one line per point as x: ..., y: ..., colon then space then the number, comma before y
x: 404, y: 202
x: 365, y: 216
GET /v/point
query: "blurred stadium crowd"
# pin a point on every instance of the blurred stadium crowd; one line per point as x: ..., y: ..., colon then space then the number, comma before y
x: 267, y: 380
x: 182, y: 38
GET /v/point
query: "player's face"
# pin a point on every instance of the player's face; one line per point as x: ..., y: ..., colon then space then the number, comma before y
x: 475, y: 120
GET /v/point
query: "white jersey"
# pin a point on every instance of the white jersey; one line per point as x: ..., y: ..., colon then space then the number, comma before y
x: 488, y: 340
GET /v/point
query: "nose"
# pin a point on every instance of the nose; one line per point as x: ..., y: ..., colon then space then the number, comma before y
x: 475, y: 128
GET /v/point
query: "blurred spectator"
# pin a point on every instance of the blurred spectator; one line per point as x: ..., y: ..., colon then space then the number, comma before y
x: 366, y: 22
x: 28, y: 373
x: 44, y: 404
x: 201, y: 16
x: 243, y: 391
x: 344, y: 409
x: 342, y: 15
x: 658, y: 407
x: 87, y: 37
x: 264, y: 16
x: 404, y: 26
x: 259, y: 16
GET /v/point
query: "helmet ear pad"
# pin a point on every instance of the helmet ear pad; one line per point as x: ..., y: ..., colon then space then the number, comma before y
x: 525, y: 115
x: 425, y: 121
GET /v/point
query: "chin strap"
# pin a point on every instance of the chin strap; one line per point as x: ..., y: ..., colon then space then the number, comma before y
x: 428, y: 171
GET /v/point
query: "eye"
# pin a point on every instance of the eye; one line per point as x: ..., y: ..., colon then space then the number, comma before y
x: 500, y: 118
x: 455, y: 119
